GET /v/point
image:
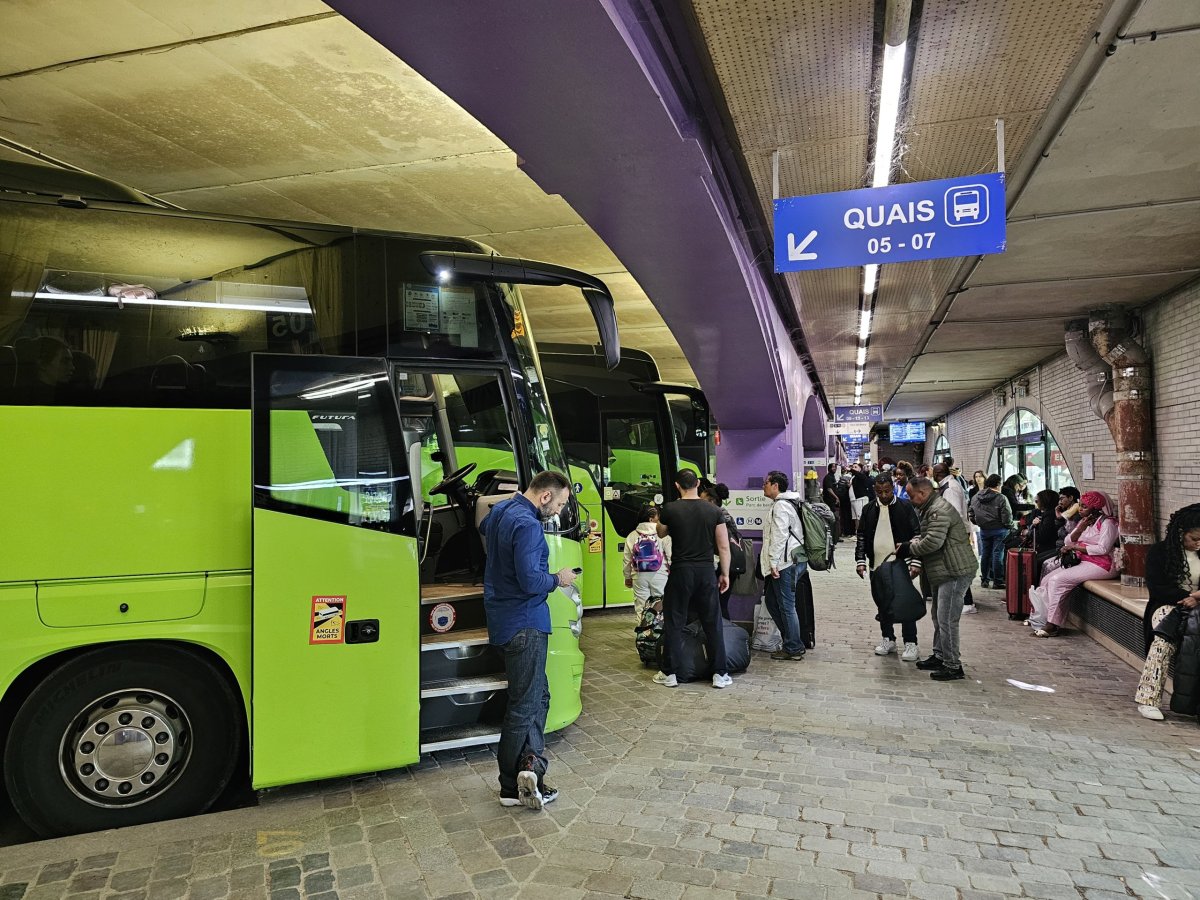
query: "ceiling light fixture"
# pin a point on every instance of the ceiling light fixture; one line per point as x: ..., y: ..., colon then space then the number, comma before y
x: 870, y: 279
x: 891, y: 82
x: 294, y: 307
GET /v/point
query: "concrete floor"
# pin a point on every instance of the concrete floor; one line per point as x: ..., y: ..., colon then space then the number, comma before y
x: 844, y: 775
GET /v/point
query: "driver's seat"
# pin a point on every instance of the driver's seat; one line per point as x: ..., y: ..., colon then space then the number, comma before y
x: 499, y: 485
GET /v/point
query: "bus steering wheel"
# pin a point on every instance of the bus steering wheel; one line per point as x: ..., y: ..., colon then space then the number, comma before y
x: 453, y: 480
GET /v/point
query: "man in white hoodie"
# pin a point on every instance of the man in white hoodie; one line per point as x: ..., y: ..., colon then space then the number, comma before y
x: 783, y: 534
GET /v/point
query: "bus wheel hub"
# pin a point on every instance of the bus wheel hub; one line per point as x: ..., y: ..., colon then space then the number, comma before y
x: 125, y: 748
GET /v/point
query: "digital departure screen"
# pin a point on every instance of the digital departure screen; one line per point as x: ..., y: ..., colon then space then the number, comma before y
x: 906, y: 432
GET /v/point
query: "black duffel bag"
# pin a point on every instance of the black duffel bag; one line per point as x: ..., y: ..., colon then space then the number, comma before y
x: 898, y: 597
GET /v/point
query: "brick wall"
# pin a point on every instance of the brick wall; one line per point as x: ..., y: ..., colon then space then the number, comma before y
x: 1171, y: 328
x: 1058, y: 395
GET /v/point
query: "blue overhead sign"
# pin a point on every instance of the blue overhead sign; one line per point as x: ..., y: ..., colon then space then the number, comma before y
x: 897, y: 223
x: 858, y: 413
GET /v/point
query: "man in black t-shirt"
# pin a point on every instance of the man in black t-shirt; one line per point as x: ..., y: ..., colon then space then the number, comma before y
x: 697, y: 531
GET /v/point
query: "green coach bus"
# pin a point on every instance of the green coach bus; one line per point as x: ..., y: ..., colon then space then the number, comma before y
x: 243, y: 467
x: 626, y: 434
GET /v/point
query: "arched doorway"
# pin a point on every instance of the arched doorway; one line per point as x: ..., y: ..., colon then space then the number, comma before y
x: 1024, y: 446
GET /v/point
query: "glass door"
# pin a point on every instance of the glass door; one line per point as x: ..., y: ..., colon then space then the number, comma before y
x: 335, y: 583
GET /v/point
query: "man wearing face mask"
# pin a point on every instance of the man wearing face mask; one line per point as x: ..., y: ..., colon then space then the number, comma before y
x: 516, y: 583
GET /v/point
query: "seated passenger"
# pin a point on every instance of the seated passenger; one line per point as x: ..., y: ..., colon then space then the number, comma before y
x: 1067, y: 512
x: 45, y: 365
x: 1173, y: 576
x: 83, y: 378
x: 1087, y: 555
x: 646, y: 568
x: 1042, y: 528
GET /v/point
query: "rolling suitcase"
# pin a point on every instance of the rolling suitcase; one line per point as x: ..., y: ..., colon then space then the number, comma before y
x: 1019, y: 569
x: 804, y: 611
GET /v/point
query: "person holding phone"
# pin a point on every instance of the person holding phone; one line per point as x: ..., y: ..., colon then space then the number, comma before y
x: 1087, y: 555
x: 516, y: 584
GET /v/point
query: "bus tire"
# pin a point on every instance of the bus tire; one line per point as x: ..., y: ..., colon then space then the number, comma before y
x: 122, y: 735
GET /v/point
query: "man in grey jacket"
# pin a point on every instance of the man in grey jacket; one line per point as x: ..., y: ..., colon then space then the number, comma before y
x: 945, y: 550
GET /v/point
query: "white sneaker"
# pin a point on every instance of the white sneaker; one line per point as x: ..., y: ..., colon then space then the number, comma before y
x: 722, y: 681
x: 886, y: 646
x: 1151, y: 712
x: 969, y: 609
x: 911, y: 653
x: 665, y: 680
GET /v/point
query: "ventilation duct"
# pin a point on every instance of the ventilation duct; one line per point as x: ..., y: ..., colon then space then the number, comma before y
x: 1132, y: 427
x: 1098, y: 372
x: 1119, y: 378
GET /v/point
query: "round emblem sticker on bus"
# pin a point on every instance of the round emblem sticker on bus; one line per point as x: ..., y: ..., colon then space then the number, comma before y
x: 441, y: 618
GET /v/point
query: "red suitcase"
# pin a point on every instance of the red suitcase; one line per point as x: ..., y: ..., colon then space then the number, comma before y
x: 1019, y: 572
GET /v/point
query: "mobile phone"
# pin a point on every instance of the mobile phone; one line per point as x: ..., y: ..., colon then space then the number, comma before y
x: 577, y: 570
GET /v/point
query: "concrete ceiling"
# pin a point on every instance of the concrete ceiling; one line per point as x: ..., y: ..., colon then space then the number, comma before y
x: 796, y: 76
x: 284, y: 109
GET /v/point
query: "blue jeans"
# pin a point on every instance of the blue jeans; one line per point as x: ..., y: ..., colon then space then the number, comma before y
x: 781, y: 604
x: 991, y: 554
x: 524, y: 729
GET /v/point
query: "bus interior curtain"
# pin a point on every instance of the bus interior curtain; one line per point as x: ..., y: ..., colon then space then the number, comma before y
x: 100, y: 344
x: 24, y: 247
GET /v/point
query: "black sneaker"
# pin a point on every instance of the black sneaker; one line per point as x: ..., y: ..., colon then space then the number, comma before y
x: 946, y: 674
x: 783, y: 654
x: 932, y: 664
x: 983, y: 583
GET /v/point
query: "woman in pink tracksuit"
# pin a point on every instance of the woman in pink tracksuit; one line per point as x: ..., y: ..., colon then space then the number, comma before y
x: 1093, y: 540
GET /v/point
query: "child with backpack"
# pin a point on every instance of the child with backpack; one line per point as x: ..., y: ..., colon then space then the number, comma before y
x: 647, y: 560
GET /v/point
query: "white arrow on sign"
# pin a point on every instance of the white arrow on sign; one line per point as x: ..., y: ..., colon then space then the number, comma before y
x: 795, y: 254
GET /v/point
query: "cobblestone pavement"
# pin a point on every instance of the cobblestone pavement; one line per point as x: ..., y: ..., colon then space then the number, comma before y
x: 844, y: 775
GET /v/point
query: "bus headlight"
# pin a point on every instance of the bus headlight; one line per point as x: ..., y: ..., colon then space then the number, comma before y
x: 577, y: 626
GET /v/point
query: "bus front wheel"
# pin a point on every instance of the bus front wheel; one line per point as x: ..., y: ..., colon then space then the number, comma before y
x: 122, y: 735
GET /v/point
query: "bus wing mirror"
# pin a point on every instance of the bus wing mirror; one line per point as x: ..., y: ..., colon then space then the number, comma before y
x: 446, y: 266
x: 605, y: 314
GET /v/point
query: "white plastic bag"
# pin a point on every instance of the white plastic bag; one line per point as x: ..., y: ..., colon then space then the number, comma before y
x: 766, y: 634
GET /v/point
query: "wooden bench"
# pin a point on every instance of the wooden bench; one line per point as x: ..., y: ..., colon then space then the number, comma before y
x: 1111, y: 614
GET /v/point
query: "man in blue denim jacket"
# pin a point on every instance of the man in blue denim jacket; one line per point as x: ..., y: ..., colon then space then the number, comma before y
x: 516, y: 583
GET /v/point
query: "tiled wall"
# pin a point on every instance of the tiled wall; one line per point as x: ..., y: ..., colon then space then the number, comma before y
x: 1058, y: 394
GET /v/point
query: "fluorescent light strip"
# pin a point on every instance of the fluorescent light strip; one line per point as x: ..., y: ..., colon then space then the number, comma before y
x: 859, y: 375
x: 870, y: 278
x: 295, y: 307
x: 862, y: 356
x: 864, y: 325
x: 889, y: 112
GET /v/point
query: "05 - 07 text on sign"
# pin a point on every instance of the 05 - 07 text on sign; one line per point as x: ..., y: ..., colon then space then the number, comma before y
x: 898, y: 223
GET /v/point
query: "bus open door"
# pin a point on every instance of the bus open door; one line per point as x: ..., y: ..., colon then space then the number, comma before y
x: 336, y: 593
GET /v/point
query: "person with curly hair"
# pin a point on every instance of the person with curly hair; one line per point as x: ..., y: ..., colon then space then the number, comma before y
x: 1087, y: 556
x: 1173, y: 576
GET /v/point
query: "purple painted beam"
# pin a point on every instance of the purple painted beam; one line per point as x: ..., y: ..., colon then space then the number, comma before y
x: 574, y: 87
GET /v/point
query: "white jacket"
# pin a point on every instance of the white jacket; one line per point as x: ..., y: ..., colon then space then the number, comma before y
x: 782, y: 531
x: 953, y: 493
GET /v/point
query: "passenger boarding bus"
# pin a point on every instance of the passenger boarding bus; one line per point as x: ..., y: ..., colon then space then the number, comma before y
x: 626, y: 434
x: 244, y: 463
